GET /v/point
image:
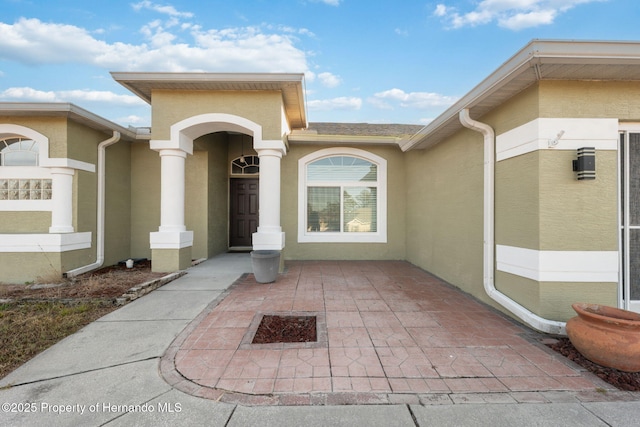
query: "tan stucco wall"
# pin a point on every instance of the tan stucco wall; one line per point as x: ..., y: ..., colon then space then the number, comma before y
x: 220, y: 148
x: 207, y: 194
x: 578, y: 215
x: 170, y: 107
x: 169, y: 260
x: 395, y: 246
x: 517, y: 201
x: 145, y: 197
x: 118, y: 203
x: 515, y: 112
x: 196, y: 201
x: 25, y: 222
x: 552, y: 300
x: 54, y: 128
x: 82, y: 144
x: 42, y: 267
x: 444, y: 192
x: 620, y: 100
x: 540, y: 204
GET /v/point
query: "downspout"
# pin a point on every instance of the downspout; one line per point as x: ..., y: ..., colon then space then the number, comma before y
x: 524, y: 314
x: 100, y: 210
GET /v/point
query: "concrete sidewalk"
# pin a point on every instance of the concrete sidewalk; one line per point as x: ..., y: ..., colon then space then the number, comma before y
x: 108, y: 374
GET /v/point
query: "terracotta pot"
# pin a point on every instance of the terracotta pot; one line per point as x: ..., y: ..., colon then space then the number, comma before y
x: 607, y: 336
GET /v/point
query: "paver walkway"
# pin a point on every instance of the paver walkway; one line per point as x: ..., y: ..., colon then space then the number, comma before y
x: 386, y: 330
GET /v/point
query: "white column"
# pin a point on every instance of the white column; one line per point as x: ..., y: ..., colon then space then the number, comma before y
x: 62, y: 200
x: 172, y: 233
x: 269, y: 235
x: 172, y: 191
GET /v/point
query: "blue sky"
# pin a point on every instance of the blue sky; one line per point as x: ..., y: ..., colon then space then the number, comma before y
x: 397, y: 61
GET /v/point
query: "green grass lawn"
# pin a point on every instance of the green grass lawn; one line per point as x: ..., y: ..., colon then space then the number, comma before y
x: 27, y: 328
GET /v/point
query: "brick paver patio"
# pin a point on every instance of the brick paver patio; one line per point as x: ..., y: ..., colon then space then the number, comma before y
x: 385, y: 329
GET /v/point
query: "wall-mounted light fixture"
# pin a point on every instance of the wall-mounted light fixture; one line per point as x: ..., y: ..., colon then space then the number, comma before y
x: 585, y: 166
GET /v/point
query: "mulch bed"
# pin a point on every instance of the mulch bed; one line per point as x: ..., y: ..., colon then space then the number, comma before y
x: 629, y: 381
x: 283, y: 329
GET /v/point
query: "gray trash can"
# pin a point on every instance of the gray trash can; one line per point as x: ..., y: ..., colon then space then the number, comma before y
x: 265, y: 265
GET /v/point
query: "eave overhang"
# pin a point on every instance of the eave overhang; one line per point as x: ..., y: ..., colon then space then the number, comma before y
x: 302, y: 138
x: 289, y: 84
x: 538, y: 60
x: 67, y: 110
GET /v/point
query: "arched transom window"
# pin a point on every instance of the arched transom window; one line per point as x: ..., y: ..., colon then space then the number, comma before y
x: 18, y: 151
x: 344, y: 194
x: 245, y: 165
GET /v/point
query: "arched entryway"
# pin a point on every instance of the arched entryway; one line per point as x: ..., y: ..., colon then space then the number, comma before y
x: 172, y: 244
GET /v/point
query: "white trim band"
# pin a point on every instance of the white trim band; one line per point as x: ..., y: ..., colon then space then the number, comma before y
x: 558, y: 266
x: 557, y: 134
x: 26, y: 206
x: 171, y: 239
x: 20, y: 243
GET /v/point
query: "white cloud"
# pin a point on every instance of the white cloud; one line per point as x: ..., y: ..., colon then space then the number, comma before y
x: 329, y: 2
x: 527, y: 20
x: 249, y: 49
x: 329, y: 80
x: 167, y: 10
x: 134, y: 120
x: 421, y: 100
x: 30, y: 94
x: 341, y: 103
x: 441, y: 10
x: 510, y: 14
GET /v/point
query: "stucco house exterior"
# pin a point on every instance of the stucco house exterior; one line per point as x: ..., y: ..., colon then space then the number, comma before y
x: 485, y: 196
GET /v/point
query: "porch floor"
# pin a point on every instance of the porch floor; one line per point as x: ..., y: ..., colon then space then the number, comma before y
x: 387, y: 330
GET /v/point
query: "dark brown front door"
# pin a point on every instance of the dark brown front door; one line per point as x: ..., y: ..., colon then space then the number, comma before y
x: 244, y: 211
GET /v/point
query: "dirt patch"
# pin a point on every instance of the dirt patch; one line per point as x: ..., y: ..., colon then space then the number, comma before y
x: 286, y: 329
x: 619, y: 379
x: 107, y: 282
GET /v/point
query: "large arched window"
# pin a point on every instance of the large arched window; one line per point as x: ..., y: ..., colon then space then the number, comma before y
x: 343, y: 196
x: 18, y: 151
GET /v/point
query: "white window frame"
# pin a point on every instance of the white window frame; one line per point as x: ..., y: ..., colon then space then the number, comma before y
x: 26, y: 172
x: 20, y: 140
x: 379, y: 236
